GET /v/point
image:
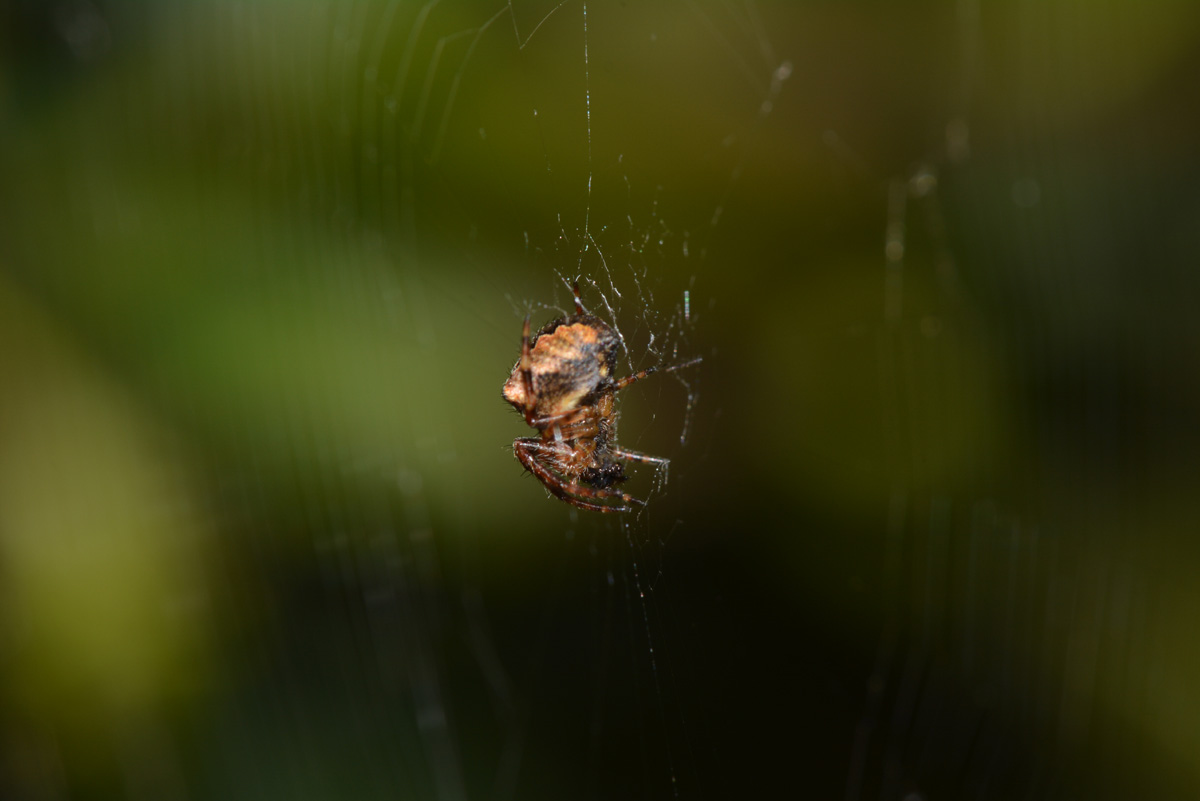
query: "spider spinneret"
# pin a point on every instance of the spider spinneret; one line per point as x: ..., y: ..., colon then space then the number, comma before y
x: 563, y: 384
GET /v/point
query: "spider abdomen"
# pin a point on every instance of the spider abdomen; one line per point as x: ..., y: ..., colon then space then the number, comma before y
x: 570, y: 362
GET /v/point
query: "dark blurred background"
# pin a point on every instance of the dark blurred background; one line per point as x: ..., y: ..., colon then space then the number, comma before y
x: 926, y: 532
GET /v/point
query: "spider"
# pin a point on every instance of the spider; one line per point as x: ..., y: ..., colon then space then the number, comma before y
x: 564, y: 386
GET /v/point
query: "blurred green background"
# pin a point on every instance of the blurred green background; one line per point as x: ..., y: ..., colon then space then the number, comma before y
x: 263, y: 268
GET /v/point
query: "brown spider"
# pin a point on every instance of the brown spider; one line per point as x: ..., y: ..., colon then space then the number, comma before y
x: 563, y: 384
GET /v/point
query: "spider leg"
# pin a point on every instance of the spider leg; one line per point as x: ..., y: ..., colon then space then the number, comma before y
x: 527, y: 453
x: 571, y: 424
x: 531, y: 452
x: 582, y: 426
x: 682, y: 365
x: 634, y: 456
x: 627, y: 380
x: 578, y: 302
x: 563, y: 420
x: 624, y: 382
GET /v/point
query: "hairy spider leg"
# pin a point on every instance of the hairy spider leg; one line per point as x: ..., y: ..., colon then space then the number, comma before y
x: 634, y: 456
x: 575, y: 424
x: 550, y: 453
x: 528, y: 451
x: 629, y: 379
x: 540, y: 450
x: 567, y: 422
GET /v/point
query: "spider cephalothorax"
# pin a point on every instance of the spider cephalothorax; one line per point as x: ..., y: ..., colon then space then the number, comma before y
x: 564, y: 386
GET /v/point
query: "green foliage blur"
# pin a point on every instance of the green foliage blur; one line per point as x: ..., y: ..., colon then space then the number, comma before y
x: 263, y: 268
